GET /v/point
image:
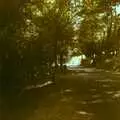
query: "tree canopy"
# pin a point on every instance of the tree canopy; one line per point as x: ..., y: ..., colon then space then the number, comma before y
x: 34, y: 34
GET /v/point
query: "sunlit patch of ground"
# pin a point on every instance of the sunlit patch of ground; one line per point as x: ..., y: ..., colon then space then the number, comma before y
x: 96, y: 96
x: 66, y: 99
x: 116, y: 73
x: 107, y: 80
x: 116, y: 94
x: 64, y: 109
x: 85, y: 97
x: 97, y: 101
x: 82, y: 115
x: 81, y: 102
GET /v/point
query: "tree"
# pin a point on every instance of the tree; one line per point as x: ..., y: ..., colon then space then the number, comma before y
x: 10, y: 22
x: 31, y: 40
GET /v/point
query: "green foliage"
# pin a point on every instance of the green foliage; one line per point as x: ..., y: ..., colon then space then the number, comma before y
x: 31, y: 41
x: 34, y: 34
x: 99, y: 26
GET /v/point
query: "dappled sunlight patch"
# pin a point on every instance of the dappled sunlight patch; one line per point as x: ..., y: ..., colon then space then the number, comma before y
x: 116, y: 73
x: 38, y: 86
x: 116, y: 94
x: 58, y: 111
x: 105, y: 80
x: 64, y: 95
x: 82, y: 115
x: 105, y: 86
x: 90, y: 69
x: 82, y: 112
x: 63, y: 91
x: 97, y: 101
x: 29, y: 87
x: 109, y: 92
x: 66, y: 99
x: 92, y: 90
x: 113, y: 95
x: 82, y: 102
x: 68, y: 90
x: 96, y: 96
x: 108, y: 81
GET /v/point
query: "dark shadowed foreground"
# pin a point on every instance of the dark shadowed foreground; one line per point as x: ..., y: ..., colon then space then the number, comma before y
x: 86, y: 95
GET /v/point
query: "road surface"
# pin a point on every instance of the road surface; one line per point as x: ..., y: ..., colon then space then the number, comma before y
x: 87, y: 94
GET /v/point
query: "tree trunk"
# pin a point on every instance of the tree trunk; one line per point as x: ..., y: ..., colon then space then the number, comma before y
x: 61, y: 62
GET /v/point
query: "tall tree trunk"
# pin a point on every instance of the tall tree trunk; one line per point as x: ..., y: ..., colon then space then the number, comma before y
x: 61, y: 61
x: 109, y: 24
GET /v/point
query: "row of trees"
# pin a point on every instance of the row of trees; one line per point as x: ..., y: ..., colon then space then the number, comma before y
x: 35, y: 33
x: 32, y: 37
x: 99, y: 28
